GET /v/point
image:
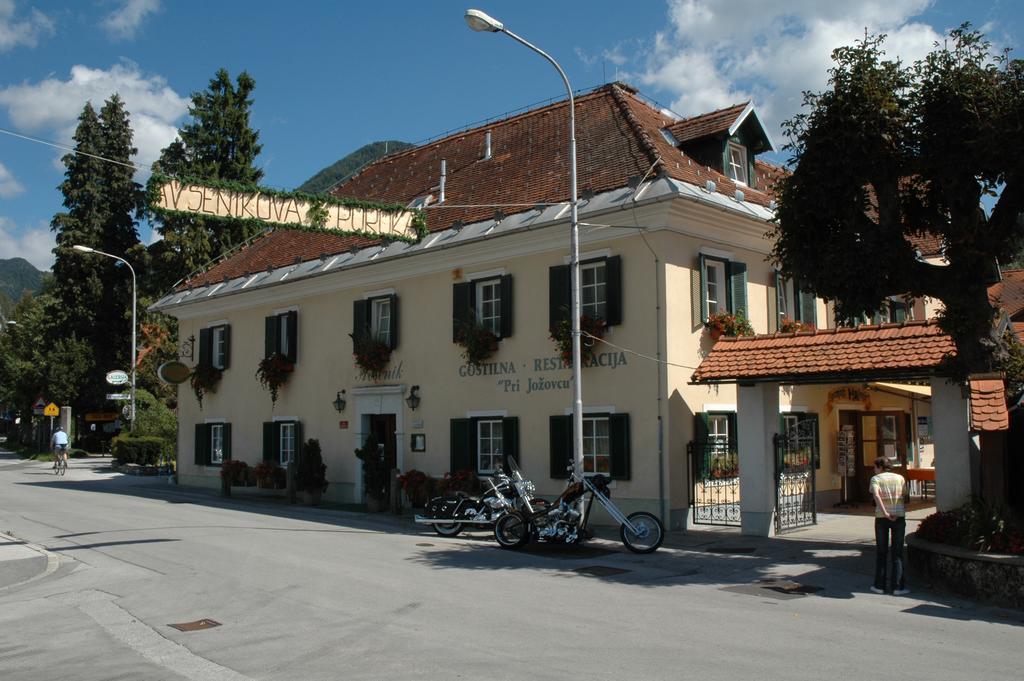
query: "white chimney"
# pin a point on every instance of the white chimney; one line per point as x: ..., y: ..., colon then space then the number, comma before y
x: 444, y: 177
x: 487, y: 146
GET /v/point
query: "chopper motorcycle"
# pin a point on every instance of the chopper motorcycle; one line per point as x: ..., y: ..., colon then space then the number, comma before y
x: 450, y: 514
x: 561, y: 522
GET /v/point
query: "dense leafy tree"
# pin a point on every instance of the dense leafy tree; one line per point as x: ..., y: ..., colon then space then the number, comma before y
x: 891, y: 150
x: 218, y: 144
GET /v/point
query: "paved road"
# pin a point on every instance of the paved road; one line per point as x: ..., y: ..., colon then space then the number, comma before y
x: 310, y: 594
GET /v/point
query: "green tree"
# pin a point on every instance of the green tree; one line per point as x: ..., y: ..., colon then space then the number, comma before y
x: 89, y: 326
x: 891, y: 150
x: 153, y: 418
x: 218, y: 144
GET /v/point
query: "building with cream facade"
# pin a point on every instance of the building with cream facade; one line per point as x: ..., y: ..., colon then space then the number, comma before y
x: 673, y: 215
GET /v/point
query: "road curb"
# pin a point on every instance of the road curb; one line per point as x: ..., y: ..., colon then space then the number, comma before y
x: 21, y: 570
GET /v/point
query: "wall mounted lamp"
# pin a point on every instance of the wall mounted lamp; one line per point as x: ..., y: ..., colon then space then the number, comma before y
x: 413, y: 400
x: 339, y: 402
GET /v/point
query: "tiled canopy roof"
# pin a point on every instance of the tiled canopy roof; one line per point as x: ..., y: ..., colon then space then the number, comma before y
x: 707, y: 124
x: 1008, y: 293
x: 618, y: 140
x: 988, y: 405
x: 929, y: 244
x: 909, y: 350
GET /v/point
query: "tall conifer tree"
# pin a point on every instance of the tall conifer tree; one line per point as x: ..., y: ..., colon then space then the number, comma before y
x: 218, y: 144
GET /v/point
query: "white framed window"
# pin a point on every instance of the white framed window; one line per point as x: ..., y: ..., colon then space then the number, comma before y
x: 783, y: 292
x: 597, y: 450
x: 737, y: 166
x: 286, y: 444
x: 718, y: 430
x: 220, y: 347
x: 216, y: 443
x: 594, y: 290
x: 714, y: 286
x: 283, y: 341
x: 489, y: 445
x: 380, y: 321
x: 488, y: 304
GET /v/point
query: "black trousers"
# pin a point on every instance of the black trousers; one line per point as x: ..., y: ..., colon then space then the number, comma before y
x: 889, y: 553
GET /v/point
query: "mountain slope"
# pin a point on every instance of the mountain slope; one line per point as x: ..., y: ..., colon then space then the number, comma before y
x: 342, y: 168
x: 17, y: 275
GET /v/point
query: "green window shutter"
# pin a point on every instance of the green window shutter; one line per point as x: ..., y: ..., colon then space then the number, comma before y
x: 226, y: 431
x: 462, y: 436
x: 227, y: 346
x: 700, y: 427
x: 510, y: 440
x: 298, y: 439
x: 613, y: 289
x: 393, y: 322
x: 618, y: 430
x: 734, y: 433
x: 360, y: 318
x: 206, y: 347
x: 698, y: 294
x: 270, y: 441
x: 506, y: 306
x: 202, y: 444
x: 560, y: 433
x: 737, y: 273
x: 559, y: 291
x: 462, y: 306
x: 293, y: 336
x: 701, y: 458
x: 270, y: 343
x: 816, y: 451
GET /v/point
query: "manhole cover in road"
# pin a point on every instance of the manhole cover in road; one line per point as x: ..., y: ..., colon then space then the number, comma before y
x: 730, y: 549
x: 424, y: 544
x: 196, y: 626
x: 567, y: 551
x: 600, y: 570
x: 787, y: 586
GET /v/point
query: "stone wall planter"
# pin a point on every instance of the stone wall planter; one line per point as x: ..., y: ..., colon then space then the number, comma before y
x: 983, y: 576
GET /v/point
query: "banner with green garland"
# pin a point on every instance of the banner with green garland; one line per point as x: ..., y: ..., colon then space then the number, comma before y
x: 293, y: 210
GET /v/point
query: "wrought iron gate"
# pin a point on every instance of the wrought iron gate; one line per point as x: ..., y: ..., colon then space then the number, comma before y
x: 715, y: 483
x: 794, y: 475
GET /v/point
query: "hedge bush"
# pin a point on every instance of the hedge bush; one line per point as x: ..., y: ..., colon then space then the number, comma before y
x: 145, y: 451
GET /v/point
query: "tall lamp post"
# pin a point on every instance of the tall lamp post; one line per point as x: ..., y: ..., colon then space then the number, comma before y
x: 131, y: 355
x: 479, y: 21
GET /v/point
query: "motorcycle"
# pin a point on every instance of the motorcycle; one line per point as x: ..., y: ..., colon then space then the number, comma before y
x: 562, y: 522
x: 450, y: 514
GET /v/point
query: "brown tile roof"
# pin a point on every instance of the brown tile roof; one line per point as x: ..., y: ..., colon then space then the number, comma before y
x: 988, y: 405
x: 912, y: 349
x: 1018, y: 328
x: 707, y: 124
x: 929, y: 244
x: 618, y: 138
x: 1009, y: 293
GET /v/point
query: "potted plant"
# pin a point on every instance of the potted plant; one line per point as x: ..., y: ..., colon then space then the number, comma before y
x: 371, y: 355
x: 590, y: 328
x: 416, y: 485
x: 311, y: 472
x: 204, y: 379
x: 273, y: 372
x: 232, y: 473
x: 787, y: 325
x: 375, y: 474
x: 728, y: 324
x: 269, y: 475
x: 477, y: 341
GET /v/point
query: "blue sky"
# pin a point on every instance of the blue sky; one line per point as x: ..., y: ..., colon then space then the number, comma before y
x: 332, y: 76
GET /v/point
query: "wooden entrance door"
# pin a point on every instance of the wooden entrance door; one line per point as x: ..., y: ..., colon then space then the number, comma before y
x: 881, y: 433
x: 383, y: 428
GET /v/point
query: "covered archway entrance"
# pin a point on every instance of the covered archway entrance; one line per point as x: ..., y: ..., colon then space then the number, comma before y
x: 779, y: 460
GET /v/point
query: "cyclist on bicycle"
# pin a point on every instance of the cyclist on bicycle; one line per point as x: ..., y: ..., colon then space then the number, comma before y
x: 59, y: 442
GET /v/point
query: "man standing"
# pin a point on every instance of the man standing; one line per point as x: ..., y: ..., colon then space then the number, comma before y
x: 888, y: 489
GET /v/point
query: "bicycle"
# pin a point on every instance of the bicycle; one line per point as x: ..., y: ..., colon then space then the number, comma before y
x: 60, y: 465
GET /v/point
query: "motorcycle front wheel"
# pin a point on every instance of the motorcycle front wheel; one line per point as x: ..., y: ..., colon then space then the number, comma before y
x: 648, y: 536
x: 512, y: 531
x: 447, y: 529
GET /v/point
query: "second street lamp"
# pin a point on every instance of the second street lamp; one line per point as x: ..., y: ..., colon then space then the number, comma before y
x: 132, y: 354
x: 480, y: 21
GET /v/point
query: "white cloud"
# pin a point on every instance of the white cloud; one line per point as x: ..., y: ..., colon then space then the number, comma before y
x: 25, y: 30
x: 714, y: 55
x: 34, y: 244
x: 52, y: 106
x: 122, y: 23
x: 9, y: 186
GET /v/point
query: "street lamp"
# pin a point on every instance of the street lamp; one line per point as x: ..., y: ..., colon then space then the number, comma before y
x: 479, y: 21
x: 131, y: 355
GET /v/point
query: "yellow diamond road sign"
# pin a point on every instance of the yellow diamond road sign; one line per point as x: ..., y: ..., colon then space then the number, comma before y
x: 51, y: 410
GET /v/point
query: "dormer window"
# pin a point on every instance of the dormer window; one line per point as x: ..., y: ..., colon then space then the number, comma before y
x: 737, y: 163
